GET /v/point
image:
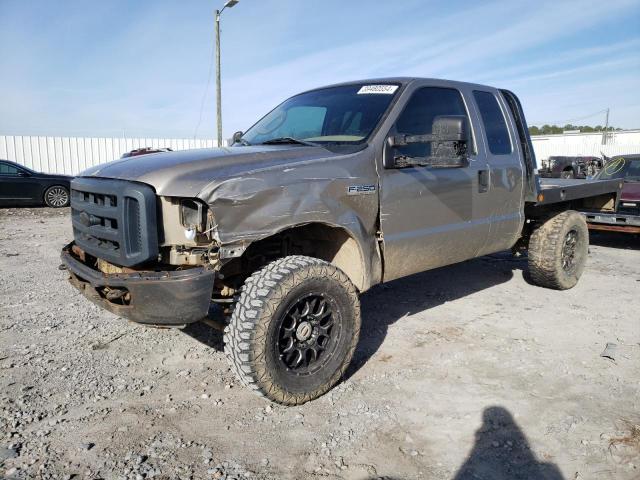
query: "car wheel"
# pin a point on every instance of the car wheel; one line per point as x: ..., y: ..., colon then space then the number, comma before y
x: 558, y: 250
x: 567, y: 174
x: 56, y: 197
x: 294, y: 329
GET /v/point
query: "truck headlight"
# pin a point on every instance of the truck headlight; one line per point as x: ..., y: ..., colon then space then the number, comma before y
x: 193, y: 216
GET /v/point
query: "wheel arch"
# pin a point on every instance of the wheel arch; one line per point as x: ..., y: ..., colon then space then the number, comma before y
x: 332, y: 243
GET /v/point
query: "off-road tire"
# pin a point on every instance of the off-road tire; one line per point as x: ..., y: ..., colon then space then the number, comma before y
x: 546, y: 247
x: 252, y: 336
x: 56, y: 196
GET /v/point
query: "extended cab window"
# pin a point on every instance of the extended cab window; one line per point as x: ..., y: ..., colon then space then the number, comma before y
x: 494, y: 123
x: 6, y: 169
x: 417, y: 117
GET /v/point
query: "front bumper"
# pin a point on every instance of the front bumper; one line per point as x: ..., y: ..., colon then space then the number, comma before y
x: 613, y: 222
x: 164, y: 298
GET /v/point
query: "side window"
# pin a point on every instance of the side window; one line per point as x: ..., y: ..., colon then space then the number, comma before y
x: 417, y: 117
x: 6, y: 169
x: 494, y: 123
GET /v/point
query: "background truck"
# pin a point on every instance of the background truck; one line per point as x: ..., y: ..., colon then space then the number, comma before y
x: 571, y: 167
x: 334, y: 191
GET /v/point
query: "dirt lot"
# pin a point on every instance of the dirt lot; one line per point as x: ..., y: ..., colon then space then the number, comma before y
x: 466, y: 372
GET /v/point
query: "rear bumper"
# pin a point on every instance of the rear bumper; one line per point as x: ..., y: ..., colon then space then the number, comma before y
x: 613, y: 222
x: 165, y: 298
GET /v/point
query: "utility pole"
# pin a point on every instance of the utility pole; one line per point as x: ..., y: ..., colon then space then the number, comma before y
x: 218, y: 87
x: 229, y: 3
x: 606, y: 127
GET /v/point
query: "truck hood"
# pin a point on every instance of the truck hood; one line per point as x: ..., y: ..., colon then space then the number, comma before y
x: 630, y: 191
x: 188, y: 172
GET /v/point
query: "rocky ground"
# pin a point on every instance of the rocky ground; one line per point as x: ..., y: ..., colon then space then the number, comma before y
x: 465, y: 372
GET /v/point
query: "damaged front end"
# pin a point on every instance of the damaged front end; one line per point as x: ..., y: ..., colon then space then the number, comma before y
x: 150, y: 259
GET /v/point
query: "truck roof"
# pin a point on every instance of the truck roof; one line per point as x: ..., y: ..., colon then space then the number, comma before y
x: 404, y: 81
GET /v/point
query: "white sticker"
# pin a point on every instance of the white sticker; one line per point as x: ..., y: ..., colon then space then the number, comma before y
x: 383, y: 89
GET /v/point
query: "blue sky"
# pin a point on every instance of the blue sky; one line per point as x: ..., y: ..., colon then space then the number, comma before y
x: 104, y: 68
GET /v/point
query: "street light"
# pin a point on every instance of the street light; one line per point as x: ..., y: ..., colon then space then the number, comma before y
x: 229, y: 3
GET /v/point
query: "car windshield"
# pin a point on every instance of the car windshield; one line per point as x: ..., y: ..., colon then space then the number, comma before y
x: 621, y: 167
x: 344, y: 115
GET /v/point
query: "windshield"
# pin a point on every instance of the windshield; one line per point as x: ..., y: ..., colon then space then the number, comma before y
x: 336, y: 115
x: 621, y: 167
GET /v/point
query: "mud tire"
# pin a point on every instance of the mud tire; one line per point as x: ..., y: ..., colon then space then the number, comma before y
x: 547, y: 251
x: 252, y: 336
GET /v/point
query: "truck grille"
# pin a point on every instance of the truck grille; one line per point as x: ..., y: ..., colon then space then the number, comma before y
x: 114, y: 220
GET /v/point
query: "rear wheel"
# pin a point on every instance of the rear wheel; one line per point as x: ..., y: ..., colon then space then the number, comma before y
x: 567, y: 174
x: 294, y: 329
x: 56, y: 197
x: 558, y: 251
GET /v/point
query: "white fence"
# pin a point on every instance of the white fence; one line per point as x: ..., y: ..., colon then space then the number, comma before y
x: 586, y: 144
x: 71, y: 155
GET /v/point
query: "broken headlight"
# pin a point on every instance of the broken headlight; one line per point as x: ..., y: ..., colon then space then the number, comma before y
x: 193, y: 215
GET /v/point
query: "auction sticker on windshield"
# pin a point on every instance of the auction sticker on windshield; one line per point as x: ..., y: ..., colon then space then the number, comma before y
x: 383, y: 89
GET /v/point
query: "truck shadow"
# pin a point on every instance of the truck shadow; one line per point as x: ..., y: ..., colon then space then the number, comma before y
x: 626, y: 241
x: 385, y: 304
x: 502, y: 452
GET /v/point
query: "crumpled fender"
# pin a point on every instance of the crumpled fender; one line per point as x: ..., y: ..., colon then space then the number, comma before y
x: 262, y: 203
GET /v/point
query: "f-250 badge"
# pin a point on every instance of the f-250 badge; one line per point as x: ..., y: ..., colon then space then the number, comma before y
x: 361, y: 189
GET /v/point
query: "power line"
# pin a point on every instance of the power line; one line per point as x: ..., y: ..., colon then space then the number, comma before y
x: 557, y: 122
x: 206, y: 90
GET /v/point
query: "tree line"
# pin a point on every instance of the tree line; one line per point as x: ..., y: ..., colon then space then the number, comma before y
x: 554, y: 129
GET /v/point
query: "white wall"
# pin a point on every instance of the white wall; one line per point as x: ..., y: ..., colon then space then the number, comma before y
x: 586, y: 144
x: 71, y: 155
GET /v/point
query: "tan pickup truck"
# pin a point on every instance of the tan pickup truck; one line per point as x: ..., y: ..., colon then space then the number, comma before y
x: 335, y: 190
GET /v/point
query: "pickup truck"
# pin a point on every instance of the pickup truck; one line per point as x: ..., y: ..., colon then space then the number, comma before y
x: 625, y: 215
x: 570, y: 167
x: 334, y: 191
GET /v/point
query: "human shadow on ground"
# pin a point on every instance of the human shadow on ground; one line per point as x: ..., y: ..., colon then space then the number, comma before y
x: 625, y: 241
x: 502, y: 452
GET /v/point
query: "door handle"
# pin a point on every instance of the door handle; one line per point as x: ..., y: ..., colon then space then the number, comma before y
x: 483, y: 181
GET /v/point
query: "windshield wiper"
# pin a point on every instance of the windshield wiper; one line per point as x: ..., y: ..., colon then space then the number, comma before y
x: 288, y: 140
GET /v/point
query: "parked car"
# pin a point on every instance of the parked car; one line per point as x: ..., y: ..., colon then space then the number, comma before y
x: 334, y: 191
x: 21, y: 186
x: 570, y: 167
x: 625, y: 215
x: 144, y: 151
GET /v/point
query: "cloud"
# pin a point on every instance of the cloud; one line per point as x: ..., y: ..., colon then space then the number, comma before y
x: 142, y: 67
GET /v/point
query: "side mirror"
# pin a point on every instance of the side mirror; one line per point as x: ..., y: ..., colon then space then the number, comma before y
x: 449, y: 138
x: 237, y: 136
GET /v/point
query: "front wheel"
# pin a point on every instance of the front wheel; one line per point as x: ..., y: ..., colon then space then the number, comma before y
x: 294, y: 329
x: 56, y: 197
x: 558, y: 250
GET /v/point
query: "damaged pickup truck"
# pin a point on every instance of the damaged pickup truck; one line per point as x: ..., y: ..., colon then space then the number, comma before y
x: 334, y: 191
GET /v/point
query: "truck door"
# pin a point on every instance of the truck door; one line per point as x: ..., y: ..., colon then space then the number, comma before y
x: 431, y: 217
x: 505, y: 198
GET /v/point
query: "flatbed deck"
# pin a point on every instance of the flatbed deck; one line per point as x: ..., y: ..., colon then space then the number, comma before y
x: 557, y: 190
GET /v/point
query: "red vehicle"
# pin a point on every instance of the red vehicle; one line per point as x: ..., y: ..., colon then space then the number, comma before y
x: 625, y: 216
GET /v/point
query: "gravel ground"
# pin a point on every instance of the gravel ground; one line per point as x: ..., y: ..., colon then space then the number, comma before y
x: 464, y: 372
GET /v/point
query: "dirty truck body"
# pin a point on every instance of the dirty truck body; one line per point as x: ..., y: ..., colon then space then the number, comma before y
x: 334, y: 191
